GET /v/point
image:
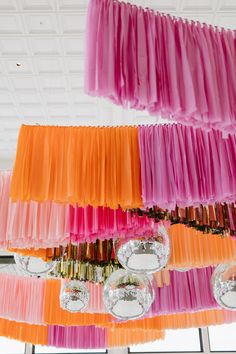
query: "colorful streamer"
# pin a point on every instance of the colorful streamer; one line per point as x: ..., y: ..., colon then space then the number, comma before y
x: 177, y: 68
x: 117, y: 334
x: 30, y: 224
x: 185, y: 166
x: 96, y: 166
x: 23, y: 298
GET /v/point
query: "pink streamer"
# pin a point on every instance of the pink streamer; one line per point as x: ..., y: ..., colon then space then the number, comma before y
x: 180, y: 69
x: 188, y: 291
x: 186, y: 166
x: 22, y: 298
x: 88, y: 337
x: 89, y: 224
x: 30, y: 224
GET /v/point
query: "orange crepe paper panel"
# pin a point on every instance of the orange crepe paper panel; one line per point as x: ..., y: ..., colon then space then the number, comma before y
x: 85, y: 165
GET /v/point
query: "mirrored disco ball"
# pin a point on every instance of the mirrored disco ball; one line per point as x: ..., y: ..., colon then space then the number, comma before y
x: 145, y: 255
x: 33, y: 265
x: 224, y: 285
x: 74, y: 296
x: 128, y: 295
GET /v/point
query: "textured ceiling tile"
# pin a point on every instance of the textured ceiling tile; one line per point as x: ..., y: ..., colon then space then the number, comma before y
x: 38, y: 5
x: 41, y: 24
x: 13, y: 47
x: 46, y: 46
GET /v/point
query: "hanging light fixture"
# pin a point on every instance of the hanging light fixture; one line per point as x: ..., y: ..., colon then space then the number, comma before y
x: 128, y: 295
x: 33, y: 265
x: 145, y: 255
x: 74, y: 296
x: 224, y: 285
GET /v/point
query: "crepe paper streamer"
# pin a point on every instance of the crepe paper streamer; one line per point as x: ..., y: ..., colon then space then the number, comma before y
x: 188, y: 291
x: 37, y: 300
x: 117, y: 334
x: 88, y: 337
x: 179, y: 320
x: 96, y: 166
x: 193, y: 249
x: 89, y: 224
x: 176, y: 68
x: 53, y: 314
x: 124, y: 338
x: 30, y: 224
x: 185, y: 166
x: 22, y: 298
x: 162, y: 278
x: 24, y: 332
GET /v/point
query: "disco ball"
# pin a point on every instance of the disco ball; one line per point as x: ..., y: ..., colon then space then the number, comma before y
x: 145, y: 255
x: 74, y: 296
x: 33, y: 265
x: 224, y: 285
x: 128, y: 295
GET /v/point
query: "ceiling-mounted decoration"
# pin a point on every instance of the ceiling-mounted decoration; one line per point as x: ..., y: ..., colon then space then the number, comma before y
x: 128, y: 295
x: 184, y: 181
x: 33, y: 266
x: 146, y: 62
x: 83, y: 165
x: 74, y: 296
x: 185, y: 166
x: 145, y: 255
x: 224, y: 285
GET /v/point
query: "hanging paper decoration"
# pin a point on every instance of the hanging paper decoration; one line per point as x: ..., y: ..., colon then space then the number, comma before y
x: 145, y: 256
x: 189, y: 249
x: 194, y: 167
x: 128, y: 295
x: 180, y: 69
x: 89, y: 224
x: 193, y: 249
x: 204, y: 174
x: 224, y: 285
x: 96, y: 166
x: 188, y: 291
x: 30, y: 224
x: 33, y: 265
x: 74, y: 296
x: 117, y: 334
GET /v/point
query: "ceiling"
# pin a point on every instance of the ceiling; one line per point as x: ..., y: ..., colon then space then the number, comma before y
x: 41, y: 64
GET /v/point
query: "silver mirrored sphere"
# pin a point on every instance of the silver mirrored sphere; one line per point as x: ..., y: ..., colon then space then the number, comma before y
x: 128, y: 295
x: 33, y: 265
x: 74, y: 296
x: 224, y: 285
x: 145, y: 255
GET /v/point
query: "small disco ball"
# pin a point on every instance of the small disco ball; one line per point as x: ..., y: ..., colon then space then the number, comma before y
x: 33, y: 265
x: 128, y: 295
x: 145, y: 255
x: 74, y: 296
x: 224, y: 285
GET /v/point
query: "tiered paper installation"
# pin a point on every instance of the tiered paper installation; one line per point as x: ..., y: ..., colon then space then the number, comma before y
x: 177, y: 68
x: 75, y: 190
x: 124, y: 166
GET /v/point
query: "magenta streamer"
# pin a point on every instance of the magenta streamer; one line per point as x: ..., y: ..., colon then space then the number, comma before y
x: 188, y: 291
x: 88, y: 337
x: 186, y: 166
x: 90, y: 224
x: 180, y: 69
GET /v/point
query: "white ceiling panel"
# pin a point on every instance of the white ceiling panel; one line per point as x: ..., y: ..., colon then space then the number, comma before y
x: 42, y: 64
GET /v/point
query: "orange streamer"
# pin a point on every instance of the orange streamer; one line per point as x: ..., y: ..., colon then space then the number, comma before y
x: 85, y: 165
x: 189, y: 249
x: 24, y: 332
x: 193, y: 249
x: 121, y: 337
x: 53, y: 314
